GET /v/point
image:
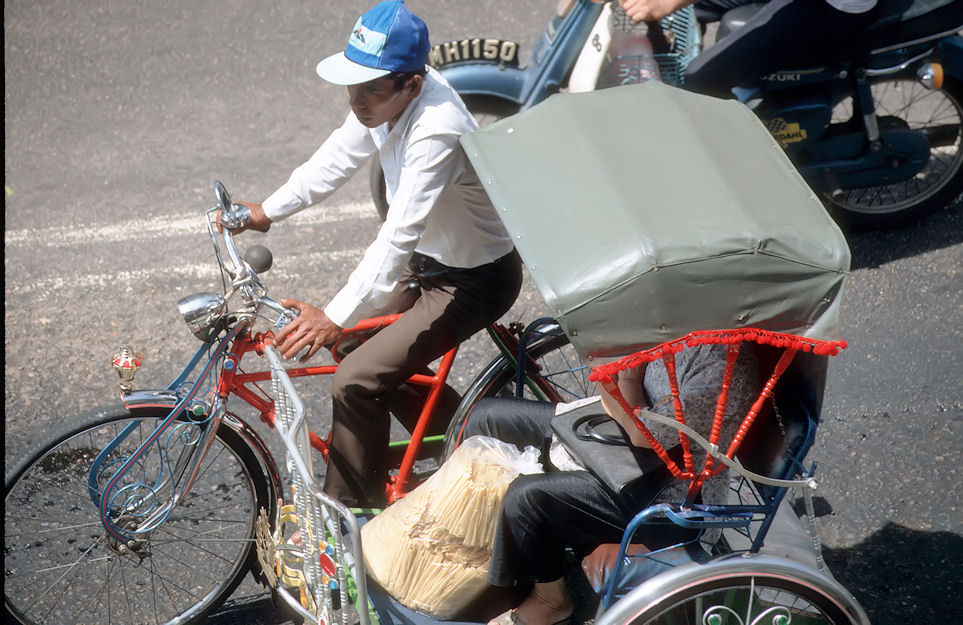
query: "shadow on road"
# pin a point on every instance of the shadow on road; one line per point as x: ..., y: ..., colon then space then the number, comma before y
x: 901, y: 575
x: 940, y: 230
x: 250, y: 610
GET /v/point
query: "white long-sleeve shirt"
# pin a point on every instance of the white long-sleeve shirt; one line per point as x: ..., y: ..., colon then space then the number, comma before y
x: 437, y: 205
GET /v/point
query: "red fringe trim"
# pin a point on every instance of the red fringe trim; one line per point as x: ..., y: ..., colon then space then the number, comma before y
x: 606, y: 374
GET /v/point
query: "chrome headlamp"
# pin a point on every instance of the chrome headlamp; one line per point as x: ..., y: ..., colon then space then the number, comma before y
x: 203, y: 313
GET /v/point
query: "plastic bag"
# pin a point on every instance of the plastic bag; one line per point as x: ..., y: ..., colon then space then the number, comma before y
x: 431, y: 550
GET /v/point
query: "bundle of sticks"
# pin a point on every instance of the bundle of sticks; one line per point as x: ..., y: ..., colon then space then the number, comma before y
x: 430, y: 550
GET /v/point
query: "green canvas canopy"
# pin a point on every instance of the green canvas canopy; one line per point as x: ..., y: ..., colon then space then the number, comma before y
x: 646, y: 212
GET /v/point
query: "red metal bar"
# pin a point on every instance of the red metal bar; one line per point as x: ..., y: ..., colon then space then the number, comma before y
x: 398, y: 485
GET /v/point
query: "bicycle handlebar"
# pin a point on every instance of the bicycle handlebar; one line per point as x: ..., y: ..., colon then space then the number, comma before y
x: 244, y: 279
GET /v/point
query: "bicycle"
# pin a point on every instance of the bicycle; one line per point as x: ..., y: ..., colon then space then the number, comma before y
x: 152, y: 507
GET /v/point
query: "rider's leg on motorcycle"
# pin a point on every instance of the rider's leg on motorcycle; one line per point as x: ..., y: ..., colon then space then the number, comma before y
x: 783, y: 35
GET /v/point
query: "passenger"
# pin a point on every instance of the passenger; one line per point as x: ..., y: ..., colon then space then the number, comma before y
x: 568, y: 506
x: 783, y: 35
x: 440, y: 228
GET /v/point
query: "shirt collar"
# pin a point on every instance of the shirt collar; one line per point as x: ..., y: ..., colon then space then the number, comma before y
x: 402, y: 123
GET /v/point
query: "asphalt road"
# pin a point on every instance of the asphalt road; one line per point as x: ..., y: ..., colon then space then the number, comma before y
x: 119, y: 117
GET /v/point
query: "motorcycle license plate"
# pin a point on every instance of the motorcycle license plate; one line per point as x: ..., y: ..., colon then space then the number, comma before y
x: 477, y: 49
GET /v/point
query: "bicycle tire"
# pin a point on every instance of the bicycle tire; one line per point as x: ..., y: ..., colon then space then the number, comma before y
x: 903, y: 102
x: 693, y: 593
x: 59, y: 566
x: 559, y: 366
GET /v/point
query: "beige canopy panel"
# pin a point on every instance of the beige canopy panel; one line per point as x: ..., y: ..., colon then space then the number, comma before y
x: 646, y: 212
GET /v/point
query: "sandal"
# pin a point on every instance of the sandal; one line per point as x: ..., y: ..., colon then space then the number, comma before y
x: 511, y: 618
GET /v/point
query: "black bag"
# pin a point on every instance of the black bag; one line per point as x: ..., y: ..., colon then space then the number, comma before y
x: 603, y: 448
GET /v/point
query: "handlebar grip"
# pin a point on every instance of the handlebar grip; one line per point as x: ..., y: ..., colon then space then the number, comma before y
x: 238, y: 217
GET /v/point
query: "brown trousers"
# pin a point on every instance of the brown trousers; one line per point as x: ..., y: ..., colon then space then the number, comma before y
x: 449, y: 307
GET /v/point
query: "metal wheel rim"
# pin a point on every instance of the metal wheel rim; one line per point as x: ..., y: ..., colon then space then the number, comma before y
x: 871, y: 200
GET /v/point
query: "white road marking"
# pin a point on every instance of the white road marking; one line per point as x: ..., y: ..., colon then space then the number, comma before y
x: 64, y: 284
x: 168, y: 225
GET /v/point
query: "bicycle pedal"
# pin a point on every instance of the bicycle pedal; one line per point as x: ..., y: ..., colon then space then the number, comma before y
x: 266, y: 548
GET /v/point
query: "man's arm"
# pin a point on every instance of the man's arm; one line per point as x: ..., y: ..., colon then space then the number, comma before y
x: 630, y: 385
x: 345, y: 151
x: 430, y: 166
x: 641, y: 10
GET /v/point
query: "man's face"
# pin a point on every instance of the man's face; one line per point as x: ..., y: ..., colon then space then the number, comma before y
x: 377, y: 101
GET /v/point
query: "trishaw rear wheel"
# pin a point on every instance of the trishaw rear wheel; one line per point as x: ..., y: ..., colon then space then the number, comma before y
x: 741, y: 599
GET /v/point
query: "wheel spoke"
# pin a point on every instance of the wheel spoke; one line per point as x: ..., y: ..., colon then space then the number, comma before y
x: 62, y: 568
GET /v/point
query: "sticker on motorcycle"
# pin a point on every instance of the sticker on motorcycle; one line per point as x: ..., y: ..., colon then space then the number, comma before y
x: 785, y: 133
x: 494, y: 50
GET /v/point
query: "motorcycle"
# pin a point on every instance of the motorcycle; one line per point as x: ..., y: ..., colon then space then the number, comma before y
x: 878, y: 136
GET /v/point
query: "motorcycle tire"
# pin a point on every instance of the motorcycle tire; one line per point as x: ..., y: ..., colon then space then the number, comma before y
x: 905, y: 103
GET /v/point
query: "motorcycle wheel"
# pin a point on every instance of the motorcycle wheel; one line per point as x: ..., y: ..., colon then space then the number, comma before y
x: 61, y: 567
x: 905, y: 103
x: 487, y: 110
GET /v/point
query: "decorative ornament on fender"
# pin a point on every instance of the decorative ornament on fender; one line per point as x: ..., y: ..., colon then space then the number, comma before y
x: 126, y: 362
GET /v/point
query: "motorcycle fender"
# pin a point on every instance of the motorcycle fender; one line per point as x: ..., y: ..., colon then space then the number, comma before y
x: 486, y: 79
x: 951, y: 57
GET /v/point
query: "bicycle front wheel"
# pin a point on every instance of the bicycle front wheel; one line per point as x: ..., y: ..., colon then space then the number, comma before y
x: 61, y: 567
x: 738, y: 591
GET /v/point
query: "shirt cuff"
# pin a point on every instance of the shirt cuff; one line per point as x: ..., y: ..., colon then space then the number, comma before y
x: 346, y: 310
x: 281, y: 204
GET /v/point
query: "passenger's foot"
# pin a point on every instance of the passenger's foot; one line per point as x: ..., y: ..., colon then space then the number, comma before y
x: 549, y: 604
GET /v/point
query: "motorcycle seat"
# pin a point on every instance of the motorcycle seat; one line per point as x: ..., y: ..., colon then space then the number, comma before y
x: 899, y: 21
x: 912, y: 20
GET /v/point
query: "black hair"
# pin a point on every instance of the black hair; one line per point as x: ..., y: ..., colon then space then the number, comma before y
x: 400, y: 79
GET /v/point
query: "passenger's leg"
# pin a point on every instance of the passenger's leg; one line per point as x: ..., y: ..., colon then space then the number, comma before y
x: 521, y: 422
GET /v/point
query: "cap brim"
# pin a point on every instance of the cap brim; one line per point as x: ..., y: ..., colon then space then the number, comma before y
x: 340, y: 70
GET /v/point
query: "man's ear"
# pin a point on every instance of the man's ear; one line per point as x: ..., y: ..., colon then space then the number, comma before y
x: 414, y: 85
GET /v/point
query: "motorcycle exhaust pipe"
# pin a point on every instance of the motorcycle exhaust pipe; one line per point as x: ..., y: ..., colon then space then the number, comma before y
x: 930, y: 75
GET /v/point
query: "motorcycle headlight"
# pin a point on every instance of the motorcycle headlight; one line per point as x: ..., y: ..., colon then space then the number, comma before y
x: 203, y: 312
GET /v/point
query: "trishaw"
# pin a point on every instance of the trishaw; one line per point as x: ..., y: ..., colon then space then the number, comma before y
x: 643, y: 238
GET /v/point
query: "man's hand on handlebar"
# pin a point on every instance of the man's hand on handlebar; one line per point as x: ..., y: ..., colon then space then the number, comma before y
x: 310, y: 330
x: 259, y: 221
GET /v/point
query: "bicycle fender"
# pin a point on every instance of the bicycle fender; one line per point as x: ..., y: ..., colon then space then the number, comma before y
x: 255, y: 442
x: 142, y: 402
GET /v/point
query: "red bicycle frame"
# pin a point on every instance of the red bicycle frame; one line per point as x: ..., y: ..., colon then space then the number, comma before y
x: 245, y: 386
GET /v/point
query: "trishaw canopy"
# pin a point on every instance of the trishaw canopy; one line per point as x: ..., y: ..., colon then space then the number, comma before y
x: 646, y: 212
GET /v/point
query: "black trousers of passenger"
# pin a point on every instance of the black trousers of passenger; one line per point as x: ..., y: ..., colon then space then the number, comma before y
x: 544, y: 513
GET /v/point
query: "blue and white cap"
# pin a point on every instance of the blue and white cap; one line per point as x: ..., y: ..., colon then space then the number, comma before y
x: 388, y: 38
